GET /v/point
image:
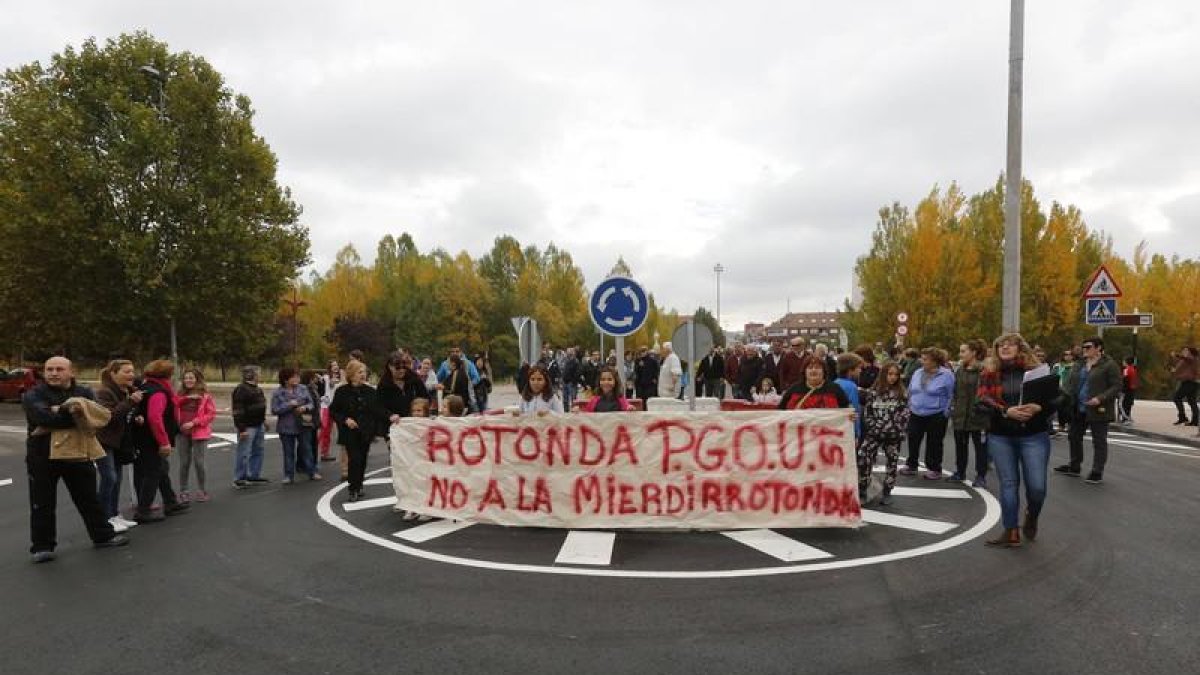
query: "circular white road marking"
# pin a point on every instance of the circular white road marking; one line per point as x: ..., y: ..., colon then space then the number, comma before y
x: 989, y: 519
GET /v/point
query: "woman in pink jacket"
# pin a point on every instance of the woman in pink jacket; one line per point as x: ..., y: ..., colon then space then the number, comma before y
x: 195, y: 411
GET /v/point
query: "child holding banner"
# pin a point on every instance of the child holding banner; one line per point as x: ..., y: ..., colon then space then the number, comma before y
x: 539, y: 398
x: 606, y: 399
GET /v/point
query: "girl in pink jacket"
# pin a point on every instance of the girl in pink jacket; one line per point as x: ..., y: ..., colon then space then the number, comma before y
x: 194, y: 411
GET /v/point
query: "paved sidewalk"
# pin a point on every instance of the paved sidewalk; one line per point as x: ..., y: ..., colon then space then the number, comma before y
x: 1155, y: 419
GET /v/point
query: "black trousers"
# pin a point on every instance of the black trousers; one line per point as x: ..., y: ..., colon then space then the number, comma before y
x: 714, y: 388
x: 962, y: 450
x: 1079, y: 426
x: 931, y: 428
x: 152, y: 475
x: 80, y: 479
x: 1186, y: 392
x: 356, y: 452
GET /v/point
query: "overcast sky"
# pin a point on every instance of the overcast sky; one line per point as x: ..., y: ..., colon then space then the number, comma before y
x: 760, y: 135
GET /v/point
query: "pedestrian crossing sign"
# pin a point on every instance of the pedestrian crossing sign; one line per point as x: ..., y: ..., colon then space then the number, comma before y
x: 1100, y: 311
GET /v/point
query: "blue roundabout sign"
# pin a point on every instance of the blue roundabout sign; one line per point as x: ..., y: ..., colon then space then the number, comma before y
x: 618, y: 306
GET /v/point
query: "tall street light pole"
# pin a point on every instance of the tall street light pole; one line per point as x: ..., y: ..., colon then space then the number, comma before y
x: 161, y: 78
x: 1011, y: 293
x: 718, y: 269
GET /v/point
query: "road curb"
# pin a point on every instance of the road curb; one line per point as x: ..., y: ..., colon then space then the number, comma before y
x: 1193, y: 441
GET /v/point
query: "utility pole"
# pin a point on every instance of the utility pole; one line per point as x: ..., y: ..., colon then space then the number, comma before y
x: 161, y: 78
x: 1011, y: 294
x: 718, y: 269
x: 295, y: 303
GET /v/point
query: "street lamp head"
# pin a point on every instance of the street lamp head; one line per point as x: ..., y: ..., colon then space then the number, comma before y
x: 153, y: 73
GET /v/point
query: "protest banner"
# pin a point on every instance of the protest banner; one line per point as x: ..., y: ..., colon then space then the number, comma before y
x: 725, y: 470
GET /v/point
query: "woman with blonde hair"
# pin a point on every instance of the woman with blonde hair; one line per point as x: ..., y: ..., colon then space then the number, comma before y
x: 360, y: 418
x: 116, y: 393
x: 1018, y: 391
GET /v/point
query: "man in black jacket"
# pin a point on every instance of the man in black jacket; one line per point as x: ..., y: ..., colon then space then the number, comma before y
x: 570, y: 378
x: 249, y: 418
x: 711, y: 372
x: 645, y: 374
x: 750, y: 369
x: 45, y: 412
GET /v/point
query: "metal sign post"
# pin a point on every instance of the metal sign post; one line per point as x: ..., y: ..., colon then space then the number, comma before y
x: 690, y: 341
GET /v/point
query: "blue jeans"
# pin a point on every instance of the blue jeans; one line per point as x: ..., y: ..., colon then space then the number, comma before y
x: 570, y: 391
x: 1017, y: 457
x: 298, y: 453
x: 248, y: 460
x: 109, y: 491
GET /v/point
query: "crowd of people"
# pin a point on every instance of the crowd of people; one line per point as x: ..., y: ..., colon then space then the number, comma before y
x: 86, y: 437
x: 1005, y: 401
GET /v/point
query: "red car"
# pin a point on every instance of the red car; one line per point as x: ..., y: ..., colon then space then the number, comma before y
x: 14, y: 383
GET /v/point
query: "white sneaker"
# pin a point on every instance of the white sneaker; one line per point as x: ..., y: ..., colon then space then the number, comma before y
x: 117, y: 525
x: 126, y: 522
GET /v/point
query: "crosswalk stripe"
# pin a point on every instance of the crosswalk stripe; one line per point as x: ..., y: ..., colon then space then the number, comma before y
x: 906, y: 522
x: 369, y: 503
x: 586, y: 548
x: 776, y: 545
x: 423, y: 533
x: 6, y: 481
x: 1151, y: 444
x: 931, y: 492
x: 377, y: 481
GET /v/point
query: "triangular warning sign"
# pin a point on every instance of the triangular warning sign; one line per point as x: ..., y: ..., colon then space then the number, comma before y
x: 1101, y: 312
x: 1102, y: 285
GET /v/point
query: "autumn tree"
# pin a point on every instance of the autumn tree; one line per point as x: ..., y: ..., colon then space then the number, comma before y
x: 942, y: 264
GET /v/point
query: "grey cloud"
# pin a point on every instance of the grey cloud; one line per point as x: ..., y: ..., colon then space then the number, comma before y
x: 1184, y: 214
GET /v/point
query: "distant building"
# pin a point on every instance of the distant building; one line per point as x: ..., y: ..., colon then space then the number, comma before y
x: 753, y: 332
x: 812, y: 326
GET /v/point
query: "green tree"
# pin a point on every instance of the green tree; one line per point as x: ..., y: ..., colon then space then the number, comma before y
x: 133, y: 213
x: 703, y: 316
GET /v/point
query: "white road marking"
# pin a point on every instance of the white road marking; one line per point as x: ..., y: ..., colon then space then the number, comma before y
x: 423, y: 533
x: 931, y: 492
x: 377, y: 481
x: 778, y: 546
x: 990, y: 518
x: 1153, y: 444
x: 221, y: 444
x: 1161, y: 452
x: 233, y: 438
x: 6, y: 481
x: 369, y: 504
x: 13, y: 430
x: 907, y: 522
x: 586, y: 548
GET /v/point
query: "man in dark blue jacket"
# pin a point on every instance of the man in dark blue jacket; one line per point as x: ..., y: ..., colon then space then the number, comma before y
x: 45, y: 412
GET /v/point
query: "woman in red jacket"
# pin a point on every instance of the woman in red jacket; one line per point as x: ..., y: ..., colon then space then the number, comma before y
x: 153, y: 438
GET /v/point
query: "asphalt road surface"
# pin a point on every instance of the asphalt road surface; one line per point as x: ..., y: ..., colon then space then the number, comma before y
x: 285, y: 579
